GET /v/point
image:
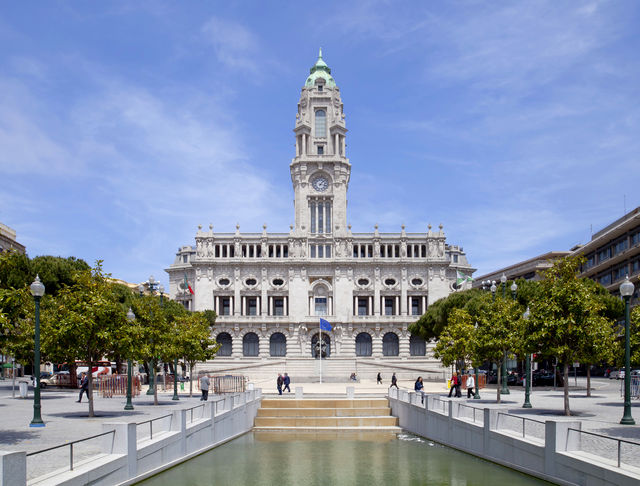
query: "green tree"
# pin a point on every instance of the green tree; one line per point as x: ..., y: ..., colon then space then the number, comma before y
x: 83, y: 322
x: 194, y: 340
x: 498, y: 332
x: 457, y: 340
x: 635, y: 336
x: 567, y: 317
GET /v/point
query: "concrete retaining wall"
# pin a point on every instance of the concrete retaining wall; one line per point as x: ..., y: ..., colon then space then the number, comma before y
x: 546, y: 450
x: 130, y: 454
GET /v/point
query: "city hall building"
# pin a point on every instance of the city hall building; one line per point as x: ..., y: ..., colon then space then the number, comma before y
x: 269, y: 290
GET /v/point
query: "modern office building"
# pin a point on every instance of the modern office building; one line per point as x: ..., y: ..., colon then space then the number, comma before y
x: 530, y: 269
x: 271, y: 289
x: 613, y: 253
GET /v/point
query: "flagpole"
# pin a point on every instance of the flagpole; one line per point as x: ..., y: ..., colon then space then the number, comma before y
x: 320, y: 348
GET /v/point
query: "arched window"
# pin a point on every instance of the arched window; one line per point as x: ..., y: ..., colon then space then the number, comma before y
x: 278, y: 344
x: 250, y: 344
x: 390, y: 345
x: 417, y: 346
x: 363, y: 344
x: 321, y: 123
x: 224, y: 340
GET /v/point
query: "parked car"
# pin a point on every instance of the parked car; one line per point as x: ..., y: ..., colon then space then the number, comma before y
x: 613, y: 374
x: 542, y: 378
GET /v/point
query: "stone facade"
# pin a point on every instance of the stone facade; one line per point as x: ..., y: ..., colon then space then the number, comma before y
x: 270, y: 289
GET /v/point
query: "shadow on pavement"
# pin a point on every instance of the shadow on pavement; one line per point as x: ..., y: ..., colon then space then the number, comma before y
x: 17, y: 436
x: 619, y: 403
x: 622, y: 432
x: 97, y: 414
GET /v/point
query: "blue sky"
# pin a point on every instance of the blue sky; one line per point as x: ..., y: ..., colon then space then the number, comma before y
x: 124, y: 125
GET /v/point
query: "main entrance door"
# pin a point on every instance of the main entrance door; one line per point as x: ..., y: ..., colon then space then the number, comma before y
x: 326, y: 346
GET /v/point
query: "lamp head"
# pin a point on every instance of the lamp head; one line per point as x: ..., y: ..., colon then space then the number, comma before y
x: 130, y: 315
x: 503, y: 279
x: 493, y: 288
x: 161, y: 289
x: 141, y: 288
x: 152, y: 280
x: 526, y: 314
x: 514, y: 287
x: 626, y: 288
x: 37, y: 287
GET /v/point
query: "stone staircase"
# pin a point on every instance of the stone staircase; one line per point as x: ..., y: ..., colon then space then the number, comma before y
x: 325, y: 414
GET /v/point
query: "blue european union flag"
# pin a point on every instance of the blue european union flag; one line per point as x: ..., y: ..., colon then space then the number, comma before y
x: 325, y: 325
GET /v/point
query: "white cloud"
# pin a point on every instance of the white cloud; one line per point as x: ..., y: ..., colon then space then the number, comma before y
x: 235, y: 45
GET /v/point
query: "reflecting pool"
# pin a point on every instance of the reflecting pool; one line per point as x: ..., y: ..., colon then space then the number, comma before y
x: 337, y: 458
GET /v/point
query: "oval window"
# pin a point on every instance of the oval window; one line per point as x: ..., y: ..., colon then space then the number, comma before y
x: 363, y: 282
x: 278, y: 282
x: 390, y: 282
x: 224, y: 281
x: 416, y: 282
x: 251, y: 281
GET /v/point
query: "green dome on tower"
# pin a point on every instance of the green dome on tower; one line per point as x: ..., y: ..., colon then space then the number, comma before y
x: 322, y: 71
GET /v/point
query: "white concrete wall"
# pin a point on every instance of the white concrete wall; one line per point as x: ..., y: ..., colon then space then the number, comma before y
x: 127, y: 459
x: 553, y: 458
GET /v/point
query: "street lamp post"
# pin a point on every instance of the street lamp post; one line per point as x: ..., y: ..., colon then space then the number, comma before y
x: 505, y: 389
x: 527, y: 388
x: 129, y: 406
x: 626, y: 290
x: 477, y: 395
x: 152, y: 368
x: 37, y: 290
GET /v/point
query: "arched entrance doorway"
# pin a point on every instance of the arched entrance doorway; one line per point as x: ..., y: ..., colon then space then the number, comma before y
x: 326, y: 345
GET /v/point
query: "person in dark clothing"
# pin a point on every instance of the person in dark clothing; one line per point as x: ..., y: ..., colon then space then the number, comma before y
x: 394, y: 381
x: 379, y: 379
x: 419, y: 388
x: 286, y: 380
x: 458, y: 385
x: 279, y: 383
x: 84, y: 387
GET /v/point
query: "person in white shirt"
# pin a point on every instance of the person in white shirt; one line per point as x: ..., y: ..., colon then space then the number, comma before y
x: 471, y: 383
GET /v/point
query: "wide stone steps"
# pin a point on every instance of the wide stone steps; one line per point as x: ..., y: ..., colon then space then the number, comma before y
x: 316, y: 414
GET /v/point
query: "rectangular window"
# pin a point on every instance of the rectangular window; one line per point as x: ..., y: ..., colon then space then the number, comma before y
x: 591, y: 261
x: 620, y: 273
x: 320, y: 149
x: 415, y: 306
x: 455, y: 258
x: 320, y: 251
x: 389, y: 306
x: 604, y: 254
x: 605, y: 279
x: 320, y: 218
x: 363, y: 306
x: 278, y: 306
x: 620, y: 246
x: 225, y: 306
x: 635, y: 266
x: 185, y: 258
x: 327, y: 216
x: 320, y: 88
x: 312, y: 206
x: 635, y: 238
x: 312, y: 252
x: 321, y: 306
x: 327, y: 251
x: 252, y: 306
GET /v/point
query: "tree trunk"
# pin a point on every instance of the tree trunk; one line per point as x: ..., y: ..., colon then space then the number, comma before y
x: 567, y: 411
x: 155, y: 385
x: 588, y: 380
x: 90, y: 376
x: 191, y: 380
x: 498, y: 382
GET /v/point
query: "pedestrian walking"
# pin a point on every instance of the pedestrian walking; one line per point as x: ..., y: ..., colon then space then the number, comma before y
x: 454, y: 384
x: 459, y: 385
x: 379, y: 378
x: 286, y: 381
x: 84, y: 387
x: 204, y: 387
x: 419, y: 388
x: 279, y: 383
x: 471, y: 383
x: 394, y: 381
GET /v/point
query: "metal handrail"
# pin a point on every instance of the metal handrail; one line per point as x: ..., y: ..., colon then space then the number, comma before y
x: 70, y: 444
x: 473, y: 408
x: 604, y: 437
x: 193, y: 408
x: 524, y: 419
x: 150, y: 422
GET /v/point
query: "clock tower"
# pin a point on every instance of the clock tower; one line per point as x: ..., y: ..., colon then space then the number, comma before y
x: 320, y: 170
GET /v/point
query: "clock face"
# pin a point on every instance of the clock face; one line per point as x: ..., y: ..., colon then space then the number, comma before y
x: 320, y: 184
